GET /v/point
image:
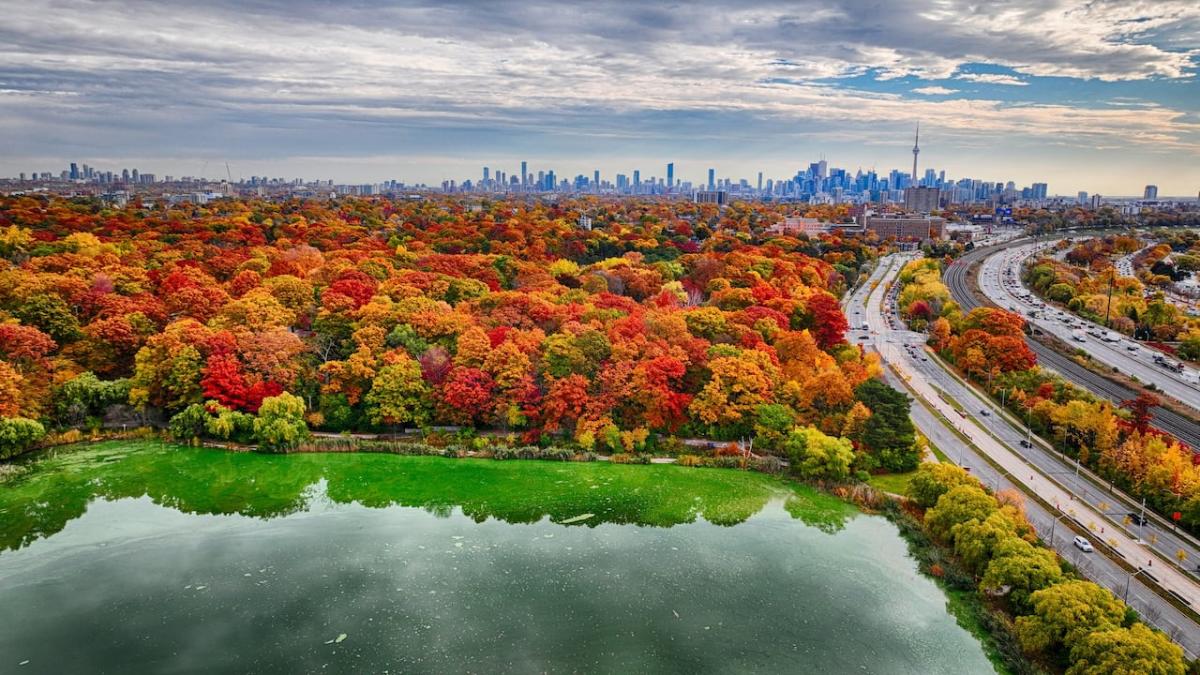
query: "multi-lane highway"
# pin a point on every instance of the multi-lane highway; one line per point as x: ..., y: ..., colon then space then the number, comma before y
x: 1177, y: 425
x: 1000, y: 281
x: 946, y: 423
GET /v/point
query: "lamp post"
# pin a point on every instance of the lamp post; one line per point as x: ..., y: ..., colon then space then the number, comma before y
x: 1128, y: 578
x: 1053, y: 526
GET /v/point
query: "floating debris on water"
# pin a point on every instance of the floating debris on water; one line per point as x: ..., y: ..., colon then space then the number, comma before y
x: 576, y: 519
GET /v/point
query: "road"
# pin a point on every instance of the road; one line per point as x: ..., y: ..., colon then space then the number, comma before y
x: 934, y: 415
x: 1169, y: 421
x: 1000, y: 281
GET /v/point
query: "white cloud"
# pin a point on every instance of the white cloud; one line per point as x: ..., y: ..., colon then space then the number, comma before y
x: 934, y: 91
x: 993, y: 78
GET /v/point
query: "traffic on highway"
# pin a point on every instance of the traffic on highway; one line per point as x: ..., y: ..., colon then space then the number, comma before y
x: 1000, y: 281
x: 1130, y: 548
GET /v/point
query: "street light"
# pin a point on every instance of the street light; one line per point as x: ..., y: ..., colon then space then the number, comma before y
x: 1054, y: 525
x: 1128, y: 578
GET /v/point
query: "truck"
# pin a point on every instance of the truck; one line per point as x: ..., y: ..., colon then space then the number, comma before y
x: 1078, y: 335
x: 1111, y: 337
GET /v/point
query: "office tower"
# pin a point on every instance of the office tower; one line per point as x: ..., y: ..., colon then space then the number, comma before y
x: 485, y: 174
x: 822, y: 169
x: 1082, y: 198
x: 1151, y: 192
x: 637, y: 180
x: 74, y: 171
x: 596, y: 180
x: 1038, y: 191
x: 524, y: 173
x: 712, y: 185
x: 760, y: 181
x: 670, y: 176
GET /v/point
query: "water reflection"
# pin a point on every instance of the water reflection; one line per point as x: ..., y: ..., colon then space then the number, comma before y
x: 58, y: 487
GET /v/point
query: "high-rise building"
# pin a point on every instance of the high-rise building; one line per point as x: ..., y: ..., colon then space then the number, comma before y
x: 1038, y: 191
x: 922, y: 199
x: 712, y: 184
x: 524, y: 174
x: 74, y: 171
x: 760, y: 181
x: 637, y: 179
x: 1151, y: 192
x: 596, y: 180
x: 485, y: 174
x: 1082, y: 198
x: 670, y: 176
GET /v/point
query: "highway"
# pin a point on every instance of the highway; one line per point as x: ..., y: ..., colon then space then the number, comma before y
x: 1000, y: 281
x: 938, y: 419
x: 1169, y: 421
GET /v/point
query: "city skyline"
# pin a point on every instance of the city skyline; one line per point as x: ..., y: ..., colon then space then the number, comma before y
x: 1085, y: 96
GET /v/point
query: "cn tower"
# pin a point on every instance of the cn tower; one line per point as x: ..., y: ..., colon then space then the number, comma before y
x: 916, y: 151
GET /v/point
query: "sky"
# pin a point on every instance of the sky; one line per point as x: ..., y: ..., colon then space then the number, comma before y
x: 1084, y: 95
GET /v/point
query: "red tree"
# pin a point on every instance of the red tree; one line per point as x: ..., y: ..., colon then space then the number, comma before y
x: 829, y: 324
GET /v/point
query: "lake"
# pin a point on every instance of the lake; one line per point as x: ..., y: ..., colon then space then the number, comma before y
x: 148, y: 558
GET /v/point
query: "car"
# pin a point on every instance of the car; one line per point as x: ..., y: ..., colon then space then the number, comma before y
x: 1083, y: 545
x: 864, y: 337
x: 1138, y: 519
x: 1131, y: 348
x: 984, y: 412
x: 1026, y: 444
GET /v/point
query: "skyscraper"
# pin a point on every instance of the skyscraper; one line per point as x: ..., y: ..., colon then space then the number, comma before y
x: 712, y: 183
x: 1151, y: 192
x: 524, y: 173
x: 670, y: 176
x: 596, y: 180
x: 760, y: 181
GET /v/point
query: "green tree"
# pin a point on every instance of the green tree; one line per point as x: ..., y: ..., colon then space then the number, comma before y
x: 86, y: 395
x: 934, y: 480
x: 774, y: 423
x: 1022, y: 569
x: 1136, y: 650
x: 399, y: 394
x: 18, y: 434
x: 958, y: 505
x: 816, y: 455
x: 889, y: 432
x: 189, y: 423
x: 975, y: 540
x: 51, y: 315
x: 280, y: 423
x: 1065, y: 613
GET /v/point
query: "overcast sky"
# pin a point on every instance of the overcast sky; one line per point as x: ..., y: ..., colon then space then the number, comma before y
x: 1098, y: 96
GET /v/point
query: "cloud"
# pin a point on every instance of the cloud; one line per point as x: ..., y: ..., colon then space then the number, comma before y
x: 934, y: 91
x: 312, y: 78
x: 993, y: 78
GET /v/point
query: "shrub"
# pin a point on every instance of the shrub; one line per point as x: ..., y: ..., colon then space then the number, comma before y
x: 690, y: 460
x: 621, y: 458
x: 18, y: 434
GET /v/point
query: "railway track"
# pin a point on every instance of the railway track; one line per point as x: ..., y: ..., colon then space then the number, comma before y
x: 1168, y: 420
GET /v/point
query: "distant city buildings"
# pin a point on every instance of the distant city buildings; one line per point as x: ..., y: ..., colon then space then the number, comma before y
x: 1151, y: 192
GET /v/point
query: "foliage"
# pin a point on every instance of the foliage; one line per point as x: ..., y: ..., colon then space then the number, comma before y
x: 280, y: 423
x: 816, y: 455
x: 18, y: 434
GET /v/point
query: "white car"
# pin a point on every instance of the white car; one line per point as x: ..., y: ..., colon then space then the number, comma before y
x: 1083, y: 545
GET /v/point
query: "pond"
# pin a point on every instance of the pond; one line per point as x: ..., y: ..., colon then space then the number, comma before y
x: 149, y: 558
